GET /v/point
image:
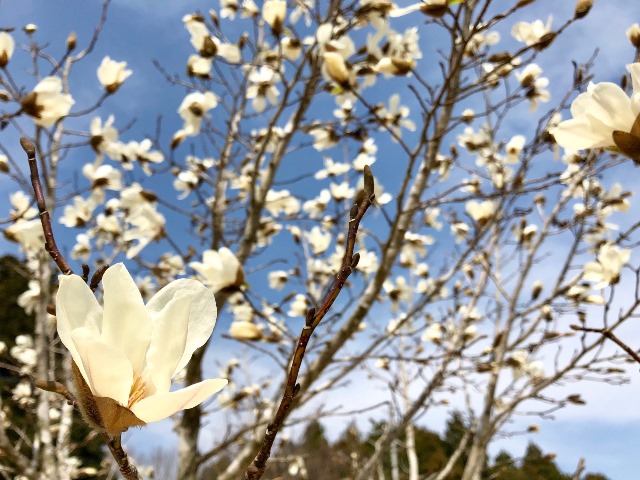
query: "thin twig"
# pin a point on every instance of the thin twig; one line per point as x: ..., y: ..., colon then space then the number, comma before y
x: 605, y: 332
x: 314, y: 317
x: 49, y: 240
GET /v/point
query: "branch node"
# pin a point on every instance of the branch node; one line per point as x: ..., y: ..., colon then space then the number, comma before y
x: 354, y: 260
x: 311, y: 314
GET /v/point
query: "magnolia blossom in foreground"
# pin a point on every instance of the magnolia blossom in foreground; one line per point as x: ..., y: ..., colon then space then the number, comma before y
x: 604, y: 117
x: 126, y: 353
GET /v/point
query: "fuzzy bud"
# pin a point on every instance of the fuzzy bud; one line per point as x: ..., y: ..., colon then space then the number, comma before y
x: 582, y: 8
x: 633, y: 34
x: 72, y: 41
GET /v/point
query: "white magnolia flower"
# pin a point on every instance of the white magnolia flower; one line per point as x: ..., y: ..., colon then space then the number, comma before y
x: 324, y: 137
x: 514, y: 147
x: 481, y: 212
x: 7, y: 46
x: 262, y: 88
x: 78, y: 213
x: 21, y: 204
x: 46, y: 103
x: 112, y: 74
x: 603, y: 117
x: 28, y: 233
x: 278, y: 279
x: 219, y: 269
x: 318, y: 205
x: 606, y: 270
x: 194, y: 108
x: 147, y: 225
x: 395, y: 117
x: 433, y: 333
x: 104, y: 137
x: 531, y: 33
x: 535, y: 85
x: 332, y: 169
x: 341, y: 191
x: 299, y: 306
x: 291, y: 48
x: 142, y: 153
x: 23, y: 350
x: 243, y: 330
x: 318, y: 240
x: 274, y: 13
x: 127, y: 353
x: 103, y: 177
x: 281, y: 201
x: 199, y: 66
x: 82, y: 248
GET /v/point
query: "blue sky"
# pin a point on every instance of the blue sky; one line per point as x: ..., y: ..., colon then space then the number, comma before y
x: 607, y: 430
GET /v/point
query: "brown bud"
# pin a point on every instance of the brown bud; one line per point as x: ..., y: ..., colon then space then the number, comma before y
x: 72, y: 41
x: 546, y: 40
x: 523, y: 3
x: 633, y: 34
x: 582, y: 8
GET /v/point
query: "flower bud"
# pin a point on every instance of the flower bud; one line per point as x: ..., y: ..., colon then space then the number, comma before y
x: 7, y: 45
x: 633, y: 34
x: 582, y: 8
x: 394, y: 65
x: 243, y: 330
x: 30, y: 28
x: 72, y: 41
x: 337, y: 69
x: 273, y: 13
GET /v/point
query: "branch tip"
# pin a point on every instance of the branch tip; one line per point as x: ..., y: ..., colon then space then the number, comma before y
x: 28, y: 146
x: 369, y: 184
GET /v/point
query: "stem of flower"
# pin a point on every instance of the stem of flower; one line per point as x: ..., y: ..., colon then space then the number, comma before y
x: 49, y: 240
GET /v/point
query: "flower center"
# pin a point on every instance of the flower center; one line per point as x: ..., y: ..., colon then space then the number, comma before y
x: 138, y: 390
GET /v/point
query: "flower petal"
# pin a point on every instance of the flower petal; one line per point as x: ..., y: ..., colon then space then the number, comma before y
x: 108, y: 371
x: 126, y: 324
x: 163, y: 405
x: 578, y: 134
x: 76, y: 306
x: 198, y: 312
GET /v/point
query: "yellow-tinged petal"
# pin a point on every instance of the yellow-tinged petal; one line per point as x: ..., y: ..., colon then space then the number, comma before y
x: 163, y: 405
x: 108, y: 371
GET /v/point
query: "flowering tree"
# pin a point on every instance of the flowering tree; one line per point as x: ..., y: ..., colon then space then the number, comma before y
x: 483, y: 276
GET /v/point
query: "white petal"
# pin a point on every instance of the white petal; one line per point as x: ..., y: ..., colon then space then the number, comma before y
x: 108, y: 371
x: 578, y: 134
x: 76, y: 307
x: 163, y: 405
x: 197, y: 304
x: 126, y: 324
